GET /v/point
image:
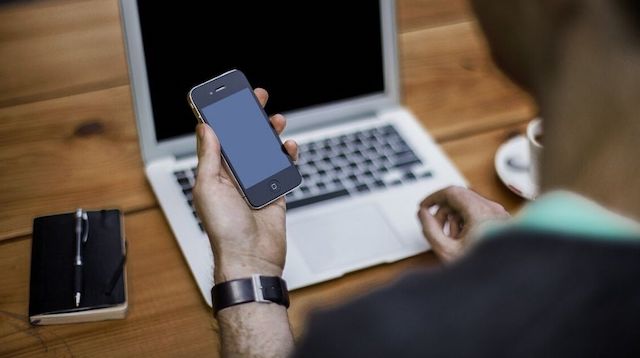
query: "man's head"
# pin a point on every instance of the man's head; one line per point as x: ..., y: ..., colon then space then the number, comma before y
x: 528, y: 38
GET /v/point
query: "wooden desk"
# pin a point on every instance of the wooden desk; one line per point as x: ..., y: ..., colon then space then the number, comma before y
x: 68, y: 139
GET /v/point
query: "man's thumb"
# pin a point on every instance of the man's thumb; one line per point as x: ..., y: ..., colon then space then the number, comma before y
x: 208, y: 151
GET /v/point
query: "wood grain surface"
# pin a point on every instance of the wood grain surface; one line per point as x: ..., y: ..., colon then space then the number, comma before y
x: 68, y: 138
x: 69, y: 152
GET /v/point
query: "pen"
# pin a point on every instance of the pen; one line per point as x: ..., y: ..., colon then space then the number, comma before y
x: 80, y: 217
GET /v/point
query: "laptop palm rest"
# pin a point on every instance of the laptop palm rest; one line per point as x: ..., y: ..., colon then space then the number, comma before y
x: 343, y: 237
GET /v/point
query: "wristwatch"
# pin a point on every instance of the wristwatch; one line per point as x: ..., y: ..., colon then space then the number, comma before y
x: 257, y: 288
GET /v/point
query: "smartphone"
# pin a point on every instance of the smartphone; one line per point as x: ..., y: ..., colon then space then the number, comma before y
x: 251, y: 148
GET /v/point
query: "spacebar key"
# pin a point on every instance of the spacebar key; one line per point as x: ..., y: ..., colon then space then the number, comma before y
x: 316, y: 199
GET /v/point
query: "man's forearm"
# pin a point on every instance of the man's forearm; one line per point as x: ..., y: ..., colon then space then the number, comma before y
x: 252, y: 329
x: 255, y: 330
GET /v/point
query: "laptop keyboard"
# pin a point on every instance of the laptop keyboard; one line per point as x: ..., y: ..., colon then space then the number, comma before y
x: 346, y: 165
x: 187, y: 179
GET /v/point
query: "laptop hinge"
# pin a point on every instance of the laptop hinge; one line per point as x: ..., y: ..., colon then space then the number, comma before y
x: 332, y: 122
x: 186, y: 155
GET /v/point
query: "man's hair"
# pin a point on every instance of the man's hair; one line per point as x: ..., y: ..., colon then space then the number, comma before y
x: 631, y: 8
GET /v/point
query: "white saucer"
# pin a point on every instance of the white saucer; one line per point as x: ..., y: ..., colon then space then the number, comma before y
x: 512, y: 166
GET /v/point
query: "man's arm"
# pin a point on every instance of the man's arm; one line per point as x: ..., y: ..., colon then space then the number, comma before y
x: 255, y: 330
x: 252, y: 329
x: 244, y: 242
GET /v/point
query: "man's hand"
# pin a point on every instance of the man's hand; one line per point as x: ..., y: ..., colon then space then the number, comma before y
x: 244, y: 241
x: 461, y: 210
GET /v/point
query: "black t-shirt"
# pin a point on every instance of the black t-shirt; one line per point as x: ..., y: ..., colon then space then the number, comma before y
x: 521, y: 294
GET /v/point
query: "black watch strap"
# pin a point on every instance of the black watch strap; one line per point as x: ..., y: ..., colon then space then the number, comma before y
x: 264, y: 289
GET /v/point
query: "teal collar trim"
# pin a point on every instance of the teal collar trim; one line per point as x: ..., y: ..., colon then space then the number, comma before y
x: 569, y: 213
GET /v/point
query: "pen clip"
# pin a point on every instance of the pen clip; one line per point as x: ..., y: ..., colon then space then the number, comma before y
x: 85, y: 226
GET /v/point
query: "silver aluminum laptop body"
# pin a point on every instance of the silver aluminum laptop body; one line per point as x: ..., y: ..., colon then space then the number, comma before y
x: 327, y: 239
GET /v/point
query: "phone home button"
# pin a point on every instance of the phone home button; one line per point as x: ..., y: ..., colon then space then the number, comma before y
x: 274, y: 185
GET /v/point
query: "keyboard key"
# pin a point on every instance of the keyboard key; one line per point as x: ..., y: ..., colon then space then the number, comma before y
x: 184, y: 182
x: 316, y: 199
x: 407, y: 162
x: 409, y: 176
x: 362, y: 188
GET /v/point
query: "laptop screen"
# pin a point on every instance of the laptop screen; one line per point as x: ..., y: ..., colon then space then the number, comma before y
x: 305, y: 54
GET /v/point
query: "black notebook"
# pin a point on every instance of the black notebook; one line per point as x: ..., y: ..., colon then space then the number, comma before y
x: 104, y: 291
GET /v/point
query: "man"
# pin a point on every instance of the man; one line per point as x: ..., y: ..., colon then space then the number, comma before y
x: 560, y: 279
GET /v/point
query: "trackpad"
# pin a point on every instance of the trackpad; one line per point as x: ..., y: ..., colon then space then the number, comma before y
x: 344, y: 237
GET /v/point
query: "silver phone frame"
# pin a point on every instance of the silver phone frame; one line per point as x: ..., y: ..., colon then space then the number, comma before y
x: 334, y: 112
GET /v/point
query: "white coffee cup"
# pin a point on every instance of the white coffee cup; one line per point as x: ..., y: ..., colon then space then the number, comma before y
x: 534, y: 137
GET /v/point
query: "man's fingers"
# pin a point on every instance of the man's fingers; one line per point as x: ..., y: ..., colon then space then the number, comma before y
x: 460, y: 200
x: 431, y: 227
x: 292, y: 149
x: 278, y: 122
x: 208, y: 152
x: 442, y: 215
x: 454, y: 225
x: 263, y: 96
x: 437, y: 198
x: 445, y: 247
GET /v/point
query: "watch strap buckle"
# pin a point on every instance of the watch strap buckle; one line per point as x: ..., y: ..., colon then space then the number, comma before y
x: 258, y: 294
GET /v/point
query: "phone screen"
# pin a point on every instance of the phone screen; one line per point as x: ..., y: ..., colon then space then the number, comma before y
x: 247, y: 138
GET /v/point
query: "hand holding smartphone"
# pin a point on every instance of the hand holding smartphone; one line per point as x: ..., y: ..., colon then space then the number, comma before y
x: 251, y: 148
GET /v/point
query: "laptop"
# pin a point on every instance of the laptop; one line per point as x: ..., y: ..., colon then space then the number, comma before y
x: 332, y: 70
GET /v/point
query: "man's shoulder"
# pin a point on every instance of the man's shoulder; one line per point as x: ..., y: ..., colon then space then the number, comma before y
x: 494, y: 294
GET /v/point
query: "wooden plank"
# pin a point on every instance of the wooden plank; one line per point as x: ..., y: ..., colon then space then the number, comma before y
x: 79, y: 151
x: 167, y: 314
x: 451, y: 84
x: 56, y: 48
x: 415, y: 15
